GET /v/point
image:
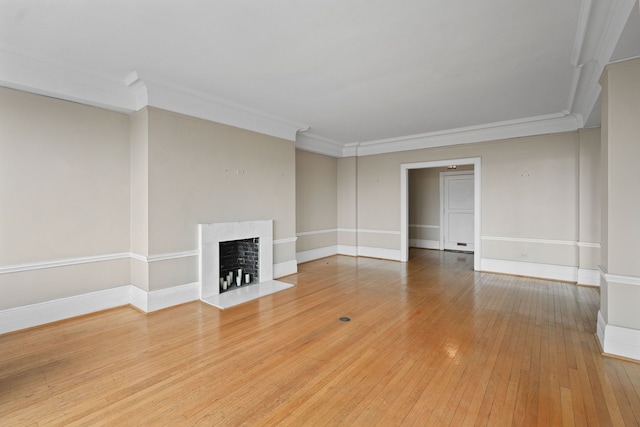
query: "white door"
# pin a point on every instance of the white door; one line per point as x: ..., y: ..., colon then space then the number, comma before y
x: 457, y: 210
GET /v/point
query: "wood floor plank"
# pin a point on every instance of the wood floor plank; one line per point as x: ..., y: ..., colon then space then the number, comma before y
x: 430, y: 342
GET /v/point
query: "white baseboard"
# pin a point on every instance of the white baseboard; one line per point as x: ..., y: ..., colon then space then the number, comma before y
x: 530, y: 269
x: 14, y: 319
x: 28, y: 316
x: 312, y: 254
x: 424, y: 244
x: 391, y: 254
x: 163, y: 298
x: 588, y: 277
x: 618, y: 341
x: 139, y: 298
x: 347, y: 250
x: 285, y: 268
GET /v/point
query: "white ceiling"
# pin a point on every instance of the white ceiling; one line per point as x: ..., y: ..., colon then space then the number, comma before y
x: 364, y: 76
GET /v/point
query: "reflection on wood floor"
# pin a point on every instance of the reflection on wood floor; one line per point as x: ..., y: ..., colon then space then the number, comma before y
x: 430, y: 342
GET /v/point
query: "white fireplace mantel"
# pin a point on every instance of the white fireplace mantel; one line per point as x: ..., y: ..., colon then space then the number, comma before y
x: 210, y: 237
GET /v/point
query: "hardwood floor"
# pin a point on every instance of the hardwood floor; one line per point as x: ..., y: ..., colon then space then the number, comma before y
x: 429, y: 343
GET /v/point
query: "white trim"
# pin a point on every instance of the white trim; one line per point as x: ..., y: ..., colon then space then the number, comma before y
x: 617, y: 340
x: 392, y: 232
x: 138, y: 257
x: 529, y: 240
x: 365, y: 251
x: 28, y: 316
x: 583, y: 20
x: 47, y: 76
x: 350, y: 149
x: 530, y: 269
x: 424, y: 244
x: 308, y: 141
x: 311, y: 254
x: 209, y: 260
x: 588, y: 277
x: 588, y: 245
x: 618, y: 278
x: 285, y: 268
x: 99, y: 258
x: 600, y: 328
x: 163, y: 298
x: 62, y: 262
x: 347, y: 230
x: 603, y: 29
x: 53, y: 78
x: 424, y: 226
x: 138, y: 298
x: 528, y: 126
x: 348, y: 250
x: 286, y: 240
x: 171, y: 97
x: 174, y: 255
x: 313, y: 232
x: 404, y: 202
x: 382, y: 253
x: 168, y: 297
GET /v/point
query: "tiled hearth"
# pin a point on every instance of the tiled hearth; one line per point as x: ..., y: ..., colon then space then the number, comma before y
x: 211, y: 235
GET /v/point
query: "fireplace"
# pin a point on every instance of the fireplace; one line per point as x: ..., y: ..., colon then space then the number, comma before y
x: 239, y: 254
x: 239, y: 261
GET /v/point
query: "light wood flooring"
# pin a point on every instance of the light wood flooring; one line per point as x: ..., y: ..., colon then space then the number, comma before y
x: 429, y: 343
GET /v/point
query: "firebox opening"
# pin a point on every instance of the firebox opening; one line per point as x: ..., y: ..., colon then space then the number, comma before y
x: 239, y: 263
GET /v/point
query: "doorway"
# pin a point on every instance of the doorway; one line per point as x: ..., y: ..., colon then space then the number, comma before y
x: 404, y: 202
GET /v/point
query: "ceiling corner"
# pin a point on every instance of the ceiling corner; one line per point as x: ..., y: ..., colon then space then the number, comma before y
x: 600, y: 26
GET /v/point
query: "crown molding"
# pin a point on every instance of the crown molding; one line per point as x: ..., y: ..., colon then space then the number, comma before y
x: 49, y: 77
x: 538, y: 125
x: 44, y: 76
x: 530, y: 126
x: 600, y: 25
x: 182, y: 100
x: 308, y: 141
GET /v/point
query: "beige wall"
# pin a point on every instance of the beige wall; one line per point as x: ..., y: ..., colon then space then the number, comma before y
x: 79, y: 182
x: 529, y: 190
x: 205, y: 172
x: 93, y: 182
x: 139, y: 206
x: 424, y: 204
x: 347, y: 201
x: 623, y: 151
x: 316, y: 200
x: 620, y: 202
x: 589, y: 198
x: 64, y: 191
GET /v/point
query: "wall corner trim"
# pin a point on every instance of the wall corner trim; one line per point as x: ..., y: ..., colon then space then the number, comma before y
x: 618, y: 341
x: 588, y: 277
x: 285, y: 268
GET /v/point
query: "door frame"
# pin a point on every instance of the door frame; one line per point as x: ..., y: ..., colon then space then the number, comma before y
x: 442, y: 201
x: 404, y: 202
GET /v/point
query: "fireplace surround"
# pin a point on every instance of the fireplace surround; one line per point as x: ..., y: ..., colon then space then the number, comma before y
x: 212, y: 237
